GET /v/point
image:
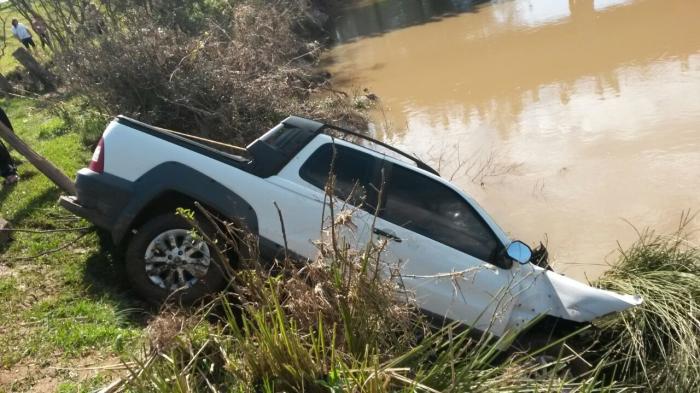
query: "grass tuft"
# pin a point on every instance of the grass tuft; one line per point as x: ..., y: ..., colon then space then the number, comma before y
x: 657, y: 344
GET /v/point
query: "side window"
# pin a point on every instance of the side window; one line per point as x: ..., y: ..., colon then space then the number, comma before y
x: 431, y: 209
x: 355, y: 174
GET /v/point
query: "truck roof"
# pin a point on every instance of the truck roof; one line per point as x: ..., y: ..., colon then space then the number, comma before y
x: 274, y: 149
x: 300, y: 122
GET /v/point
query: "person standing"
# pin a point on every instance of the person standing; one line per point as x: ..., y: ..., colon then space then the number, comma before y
x: 22, y: 33
x: 94, y: 19
x: 7, y: 166
x: 39, y: 26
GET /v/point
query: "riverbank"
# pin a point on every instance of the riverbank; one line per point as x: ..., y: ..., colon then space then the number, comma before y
x: 68, y: 321
x: 65, y: 311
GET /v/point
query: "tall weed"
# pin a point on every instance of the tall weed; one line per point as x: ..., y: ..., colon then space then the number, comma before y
x: 657, y: 345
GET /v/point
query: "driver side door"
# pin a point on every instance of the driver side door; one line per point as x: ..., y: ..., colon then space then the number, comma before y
x: 445, y: 251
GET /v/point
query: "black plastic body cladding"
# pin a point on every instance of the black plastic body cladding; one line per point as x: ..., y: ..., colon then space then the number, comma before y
x: 101, y: 198
x: 173, y: 176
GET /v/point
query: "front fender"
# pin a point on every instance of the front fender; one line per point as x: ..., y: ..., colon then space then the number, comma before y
x: 544, y: 292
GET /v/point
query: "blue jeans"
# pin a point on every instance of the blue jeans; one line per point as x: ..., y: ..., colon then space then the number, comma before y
x: 27, y: 42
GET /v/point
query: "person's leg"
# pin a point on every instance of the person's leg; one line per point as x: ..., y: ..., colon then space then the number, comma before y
x: 25, y: 42
x: 7, y: 166
x: 31, y: 42
x: 45, y: 40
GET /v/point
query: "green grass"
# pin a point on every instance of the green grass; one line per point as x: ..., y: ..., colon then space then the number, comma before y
x: 87, y: 385
x: 78, y: 326
x: 61, y: 308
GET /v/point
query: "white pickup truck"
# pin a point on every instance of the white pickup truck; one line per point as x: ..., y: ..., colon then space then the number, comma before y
x: 140, y: 174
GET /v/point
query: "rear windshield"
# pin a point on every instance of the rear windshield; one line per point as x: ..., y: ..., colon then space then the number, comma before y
x: 288, y: 140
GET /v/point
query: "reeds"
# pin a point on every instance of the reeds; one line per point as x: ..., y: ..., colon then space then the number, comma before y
x: 336, y: 325
x: 657, y: 345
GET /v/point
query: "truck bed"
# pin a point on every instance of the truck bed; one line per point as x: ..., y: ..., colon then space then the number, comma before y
x: 238, y: 161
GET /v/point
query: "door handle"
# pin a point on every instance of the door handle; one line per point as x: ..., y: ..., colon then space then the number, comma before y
x: 387, y: 234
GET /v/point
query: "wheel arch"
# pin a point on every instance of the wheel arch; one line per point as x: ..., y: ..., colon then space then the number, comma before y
x: 172, y: 185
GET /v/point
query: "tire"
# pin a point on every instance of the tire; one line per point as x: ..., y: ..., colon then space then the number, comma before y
x: 185, y: 273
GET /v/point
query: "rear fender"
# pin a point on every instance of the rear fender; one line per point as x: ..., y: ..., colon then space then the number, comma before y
x: 173, y: 176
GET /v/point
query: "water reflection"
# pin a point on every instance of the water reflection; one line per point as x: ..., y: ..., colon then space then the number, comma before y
x: 378, y: 17
x: 373, y: 18
x: 596, y: 104
x: 479, y: 59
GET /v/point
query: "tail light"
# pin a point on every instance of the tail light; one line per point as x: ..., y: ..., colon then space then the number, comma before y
x: 97, y: 164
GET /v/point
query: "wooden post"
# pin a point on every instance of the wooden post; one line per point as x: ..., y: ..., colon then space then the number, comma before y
x: 5, y: 86
x: 27, y: 60
x: 45, y: 166
x: 4, y: 233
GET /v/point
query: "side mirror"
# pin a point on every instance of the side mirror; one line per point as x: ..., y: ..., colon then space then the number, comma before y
x: 519, y: 251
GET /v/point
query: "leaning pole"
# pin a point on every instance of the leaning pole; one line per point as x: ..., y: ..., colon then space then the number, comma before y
x: 43, y: 165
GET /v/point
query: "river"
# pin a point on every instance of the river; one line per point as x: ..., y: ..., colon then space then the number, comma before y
x: 571, y: 120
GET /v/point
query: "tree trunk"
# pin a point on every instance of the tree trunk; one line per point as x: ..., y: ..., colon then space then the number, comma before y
x: 45, y: 166
x: 27, y: 60
x: 5, y: 86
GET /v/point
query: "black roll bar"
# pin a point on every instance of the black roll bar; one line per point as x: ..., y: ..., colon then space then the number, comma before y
x: 420, y: 164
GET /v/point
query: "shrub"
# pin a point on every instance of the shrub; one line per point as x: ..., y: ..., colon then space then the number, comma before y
x: 246, y: 70
x: 79, y: 116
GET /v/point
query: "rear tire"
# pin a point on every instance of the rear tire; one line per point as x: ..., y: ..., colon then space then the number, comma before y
x: 165, y: 262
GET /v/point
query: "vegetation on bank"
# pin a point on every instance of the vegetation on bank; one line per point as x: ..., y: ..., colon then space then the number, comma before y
x: 311, y: 330
x: 657, y: 345
x: 60, y: 310
x: 222, y: 69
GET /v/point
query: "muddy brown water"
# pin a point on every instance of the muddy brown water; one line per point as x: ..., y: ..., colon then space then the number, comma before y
x: 570, y: 118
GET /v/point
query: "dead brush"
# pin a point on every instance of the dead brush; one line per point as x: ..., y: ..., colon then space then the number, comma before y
x: 246, y: 66
x: 343, y: 288
x: 164, y: 328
